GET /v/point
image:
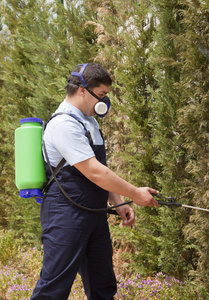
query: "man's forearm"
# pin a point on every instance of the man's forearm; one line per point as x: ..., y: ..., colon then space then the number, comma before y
x: 105, y: 178
x: 114, y: 199
x: 108, y: 180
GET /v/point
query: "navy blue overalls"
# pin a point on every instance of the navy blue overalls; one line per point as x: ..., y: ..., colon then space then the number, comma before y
x: 75, y: 240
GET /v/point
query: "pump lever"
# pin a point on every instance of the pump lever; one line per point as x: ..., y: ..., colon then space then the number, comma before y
x: 170, y: 204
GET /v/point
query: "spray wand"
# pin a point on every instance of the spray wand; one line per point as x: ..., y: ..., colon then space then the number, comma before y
x: 174, y: 203
x: 171, y: 202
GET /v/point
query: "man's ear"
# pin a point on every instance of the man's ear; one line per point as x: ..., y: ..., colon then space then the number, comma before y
x: 81, y: 90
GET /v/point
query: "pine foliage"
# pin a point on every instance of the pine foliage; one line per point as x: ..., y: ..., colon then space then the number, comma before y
x: 40, y: 42
x: 174, y: 251
x: 194, y: 123
x: 144, y: 55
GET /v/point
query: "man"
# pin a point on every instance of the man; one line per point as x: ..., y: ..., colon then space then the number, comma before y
x: 76, y: 240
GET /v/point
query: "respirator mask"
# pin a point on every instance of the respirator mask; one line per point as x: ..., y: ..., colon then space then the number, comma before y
x: 102, y: 107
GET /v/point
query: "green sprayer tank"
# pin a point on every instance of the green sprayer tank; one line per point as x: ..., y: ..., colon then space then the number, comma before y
x: 30, y: 172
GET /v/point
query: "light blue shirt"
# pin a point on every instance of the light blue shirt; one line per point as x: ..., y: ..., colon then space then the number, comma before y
x: 65, y: 136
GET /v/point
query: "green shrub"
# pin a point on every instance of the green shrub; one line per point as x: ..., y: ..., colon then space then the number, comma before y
x: 8, y: 246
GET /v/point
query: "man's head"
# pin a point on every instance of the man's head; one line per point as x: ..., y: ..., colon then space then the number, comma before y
x: 94, y: 74
x: 91, y: 79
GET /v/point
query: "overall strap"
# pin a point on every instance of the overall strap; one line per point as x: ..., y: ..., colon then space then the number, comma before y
x: 87, y: 132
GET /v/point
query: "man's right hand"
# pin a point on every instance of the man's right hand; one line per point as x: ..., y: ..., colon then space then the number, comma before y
x: 143, y: 197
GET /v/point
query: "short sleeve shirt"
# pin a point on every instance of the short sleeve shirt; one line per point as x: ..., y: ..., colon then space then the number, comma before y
x: 65, y: 136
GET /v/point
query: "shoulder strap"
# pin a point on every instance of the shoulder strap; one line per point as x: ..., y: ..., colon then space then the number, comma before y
x: 56, y: 171
x: 63, y: 160
x: 88, y: 134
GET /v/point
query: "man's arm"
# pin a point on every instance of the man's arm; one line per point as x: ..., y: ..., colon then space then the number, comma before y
x: 126, y: 212
x: 108, y: 180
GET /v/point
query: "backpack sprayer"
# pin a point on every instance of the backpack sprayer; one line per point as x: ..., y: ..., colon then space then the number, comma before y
x: 30, y: 174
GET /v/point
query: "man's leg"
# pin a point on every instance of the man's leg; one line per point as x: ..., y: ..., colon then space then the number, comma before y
x: 66, y: 231
x: 97, y: 268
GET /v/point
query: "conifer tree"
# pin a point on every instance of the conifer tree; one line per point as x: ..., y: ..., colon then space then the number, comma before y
x: 125, y: 33
x: 125, y: 39
x: 140, y: 44
x: 174, y: 251
x: 41, y: 41
x: 153, y: 151
x: 195, y: 128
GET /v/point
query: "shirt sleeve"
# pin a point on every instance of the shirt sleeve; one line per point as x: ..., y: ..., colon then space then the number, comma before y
x: 70, y: 140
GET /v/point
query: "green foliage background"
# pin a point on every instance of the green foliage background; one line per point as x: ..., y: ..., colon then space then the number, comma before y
x: 157, y: 131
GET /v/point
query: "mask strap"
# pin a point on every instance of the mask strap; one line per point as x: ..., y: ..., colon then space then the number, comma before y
x: 80, y: 74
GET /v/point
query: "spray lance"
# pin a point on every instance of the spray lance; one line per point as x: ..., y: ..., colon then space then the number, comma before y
x: 174, y: 203
x: 170, y: 203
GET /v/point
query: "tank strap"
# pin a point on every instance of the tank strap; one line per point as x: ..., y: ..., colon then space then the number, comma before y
x: 63, y: 160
